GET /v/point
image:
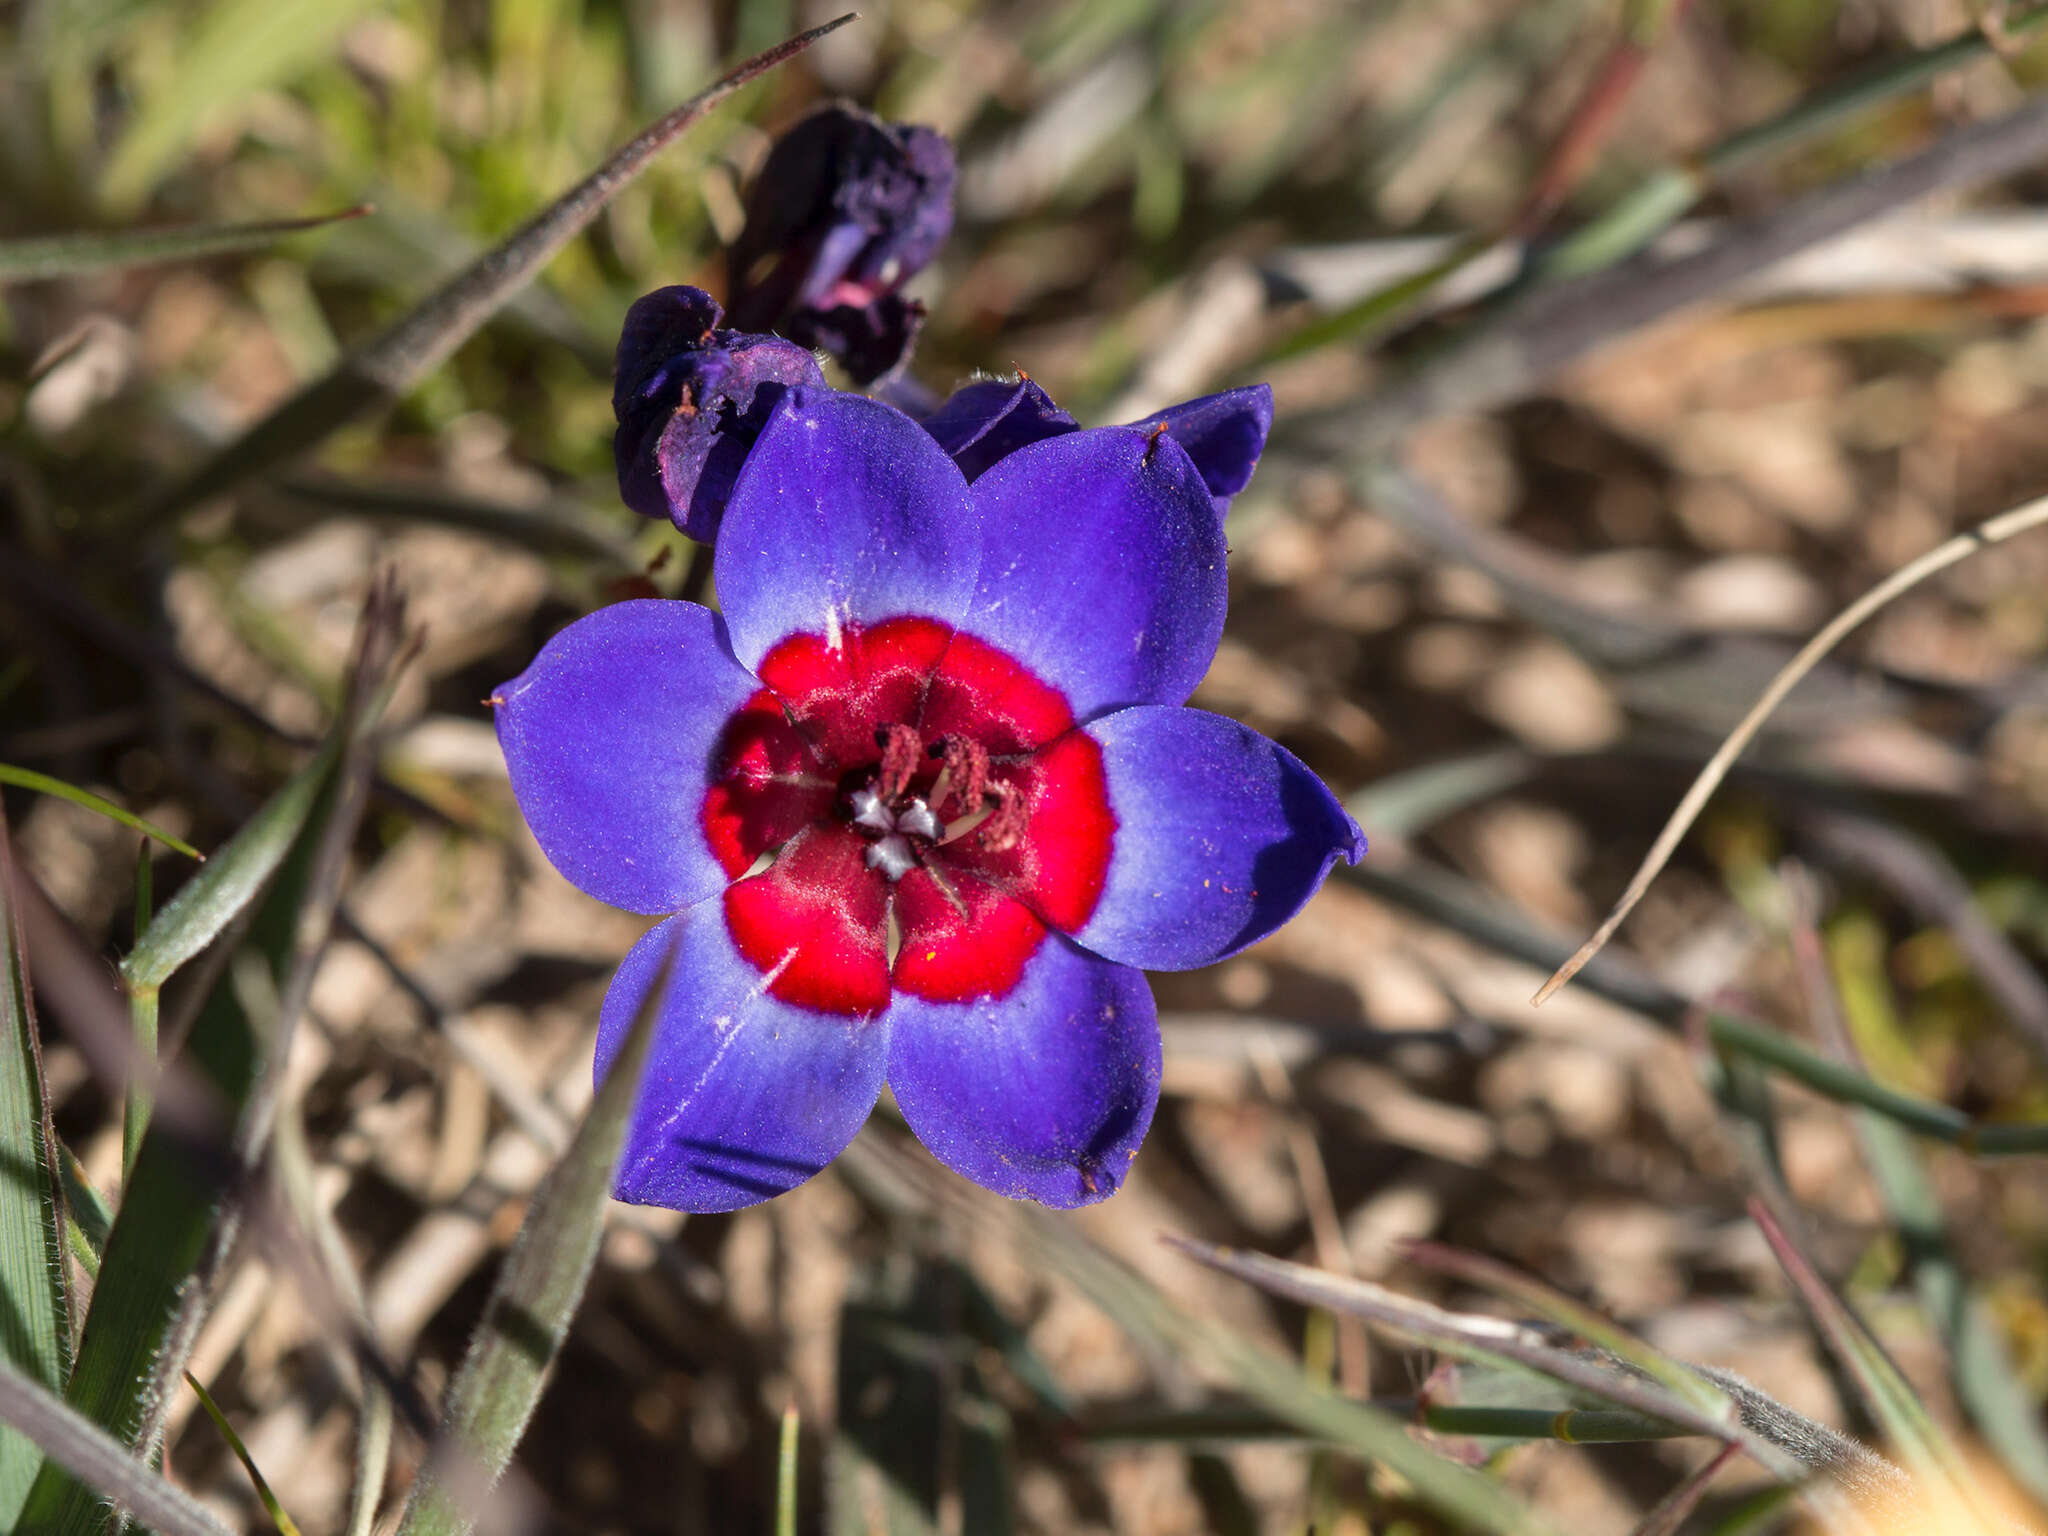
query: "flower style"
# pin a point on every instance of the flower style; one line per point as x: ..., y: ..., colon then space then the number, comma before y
x: 690, y: 399
x: 917, y: 805
x: 845, y: 211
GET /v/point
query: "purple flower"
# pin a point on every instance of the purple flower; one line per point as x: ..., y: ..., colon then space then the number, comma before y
x: 847, y: 209
x: 691, y: 399
x: 991, y: 419
x: 916, y: 806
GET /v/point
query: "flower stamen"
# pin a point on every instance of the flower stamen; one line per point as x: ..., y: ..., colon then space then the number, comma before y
x: 966, y: 773
x: 1006, y: 827
x: 902, y: 755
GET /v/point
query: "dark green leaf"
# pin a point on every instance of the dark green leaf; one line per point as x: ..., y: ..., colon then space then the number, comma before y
x: 230, y: 880
x: 35, y: 1328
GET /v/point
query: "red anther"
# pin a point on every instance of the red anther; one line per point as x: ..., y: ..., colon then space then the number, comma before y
x: 966, y: 772
x: 902, y: 756
x: 1005, y: 829
x: 1158, y: 431
x: 686, y: 403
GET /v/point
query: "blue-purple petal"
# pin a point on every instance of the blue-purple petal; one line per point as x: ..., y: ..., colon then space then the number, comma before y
x: 744, y: 1096
x: 1221, y: 836
x: 1224, y: 434
x: 609, y: 736
x: 1043, y: 1094
x: 991, y: 419
x: 846, y: 513
x: 1102, y: 567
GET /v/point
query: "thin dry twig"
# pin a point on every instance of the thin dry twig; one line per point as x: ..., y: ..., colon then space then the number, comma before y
x: 1997, y: 530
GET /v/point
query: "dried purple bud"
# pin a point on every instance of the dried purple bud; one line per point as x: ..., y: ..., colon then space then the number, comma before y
x: 691, y: 399
x: 846, y: 210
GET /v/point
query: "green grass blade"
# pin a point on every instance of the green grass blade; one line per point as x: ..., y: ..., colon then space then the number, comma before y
x: 1234, y: 1423
x: 99, y: 1461
x: 180, y: 1211
x: 238, y: 47
x: 46, y: 256
x: 785, y: 1475
x: 536, y: 1295
x: 286, y: 1526
x: 230, y: 880
x: 86, y: 1217
x: 1376, y: 312
x: 174, y: 1212
x: 1504, y: 1280
x: 402, y: 355
x: 1278, y: 1386
x: 1462, y: 1495
x: 1780, y: 1441
x: 142, y: 1012
x: 42, y: 783
x: 1484, y: 1341
x: 35, y: 1324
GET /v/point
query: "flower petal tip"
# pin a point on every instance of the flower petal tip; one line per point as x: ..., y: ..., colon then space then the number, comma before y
x: 1045, y: 1094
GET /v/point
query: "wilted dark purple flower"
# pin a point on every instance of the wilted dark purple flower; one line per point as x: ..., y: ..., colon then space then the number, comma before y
x: 846, y: 210
x: 917, y: 806
x: 691, y: 399
x: 992, y: 418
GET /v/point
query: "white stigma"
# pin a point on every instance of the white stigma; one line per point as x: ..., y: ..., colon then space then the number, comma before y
x: 917, y: 818
x: 892, y: 856
x: 869, y: 811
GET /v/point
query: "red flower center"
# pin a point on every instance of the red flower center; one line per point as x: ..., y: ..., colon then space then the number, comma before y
x: 930, y: 808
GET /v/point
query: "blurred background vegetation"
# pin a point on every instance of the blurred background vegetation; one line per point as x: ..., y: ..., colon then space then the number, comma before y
x: 1513, y: 660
